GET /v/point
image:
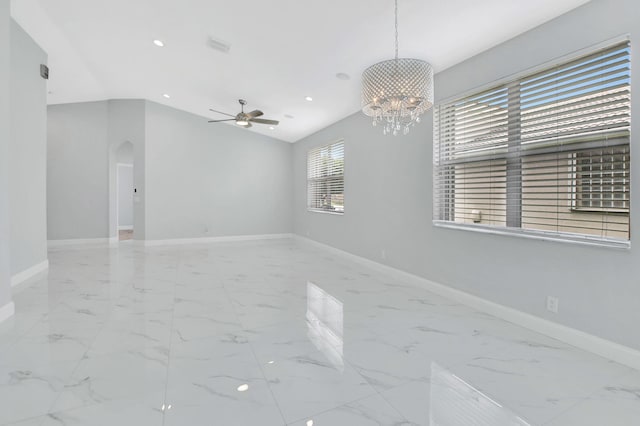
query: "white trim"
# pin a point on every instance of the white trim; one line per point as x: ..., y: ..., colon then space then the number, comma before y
x: 7, y: 311
x: 179, y: 241
x: 125, y: 227
x: 562, y: 237
x: 588, y: 342
x: 325, y: 211
x: 21, y: 277
x: 72, y: 242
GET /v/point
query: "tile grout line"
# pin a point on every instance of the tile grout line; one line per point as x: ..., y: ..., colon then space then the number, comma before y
x: 173, y: 312
x: 224, y: 286
x: 588, y: 397
x: 379, y: 393
x: 59, y: 394
x: 340, y: 406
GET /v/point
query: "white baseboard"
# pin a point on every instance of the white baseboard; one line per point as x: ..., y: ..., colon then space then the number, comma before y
x: 21, y: 277
x: 588, y: 342
x: 7, y: 311
x: 77, y: 241
x: 125, y: 228
x: 172, y: 241
x: 179, y: 241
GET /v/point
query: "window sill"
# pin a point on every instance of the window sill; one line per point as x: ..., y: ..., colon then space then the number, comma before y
x: 333, y: 212
x: 537, y: 235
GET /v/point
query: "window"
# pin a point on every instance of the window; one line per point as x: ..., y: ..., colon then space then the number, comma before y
x: 602, y: 180
x: 325, y: 178
x: 546, y: 154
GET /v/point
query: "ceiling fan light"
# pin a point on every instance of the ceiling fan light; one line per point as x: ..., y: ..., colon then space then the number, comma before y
x: 245, y: 119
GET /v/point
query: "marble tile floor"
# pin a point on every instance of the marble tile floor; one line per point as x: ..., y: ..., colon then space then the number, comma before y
x: 279, y: 333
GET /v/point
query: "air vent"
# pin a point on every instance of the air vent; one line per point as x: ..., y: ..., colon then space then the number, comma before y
x: 220, y: 45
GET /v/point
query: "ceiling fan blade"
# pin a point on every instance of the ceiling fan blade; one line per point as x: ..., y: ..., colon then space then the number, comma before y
x: 219, y: 121
x: 220, y: 112
x: 255, y: 113
x: 264, y: 121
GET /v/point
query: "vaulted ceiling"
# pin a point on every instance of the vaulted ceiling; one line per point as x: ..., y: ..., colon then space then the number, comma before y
x: 281, y: 50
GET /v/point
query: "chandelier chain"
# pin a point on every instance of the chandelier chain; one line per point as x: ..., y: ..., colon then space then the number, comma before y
x: 396, y: 12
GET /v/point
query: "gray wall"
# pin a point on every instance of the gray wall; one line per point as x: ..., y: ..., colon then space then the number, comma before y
x: 5, y: 283
x: 388, y: 198
x: 83, y: 142
x: 28, y: 153
x: 213, y: 179
x: 124, y: 153
x: 78, y: 171
x: 202, y: 179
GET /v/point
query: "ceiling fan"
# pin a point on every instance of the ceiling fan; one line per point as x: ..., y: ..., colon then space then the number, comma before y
x: 245, y: 119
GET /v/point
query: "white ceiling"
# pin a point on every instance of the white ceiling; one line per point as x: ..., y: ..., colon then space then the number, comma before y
x: 281, y: 50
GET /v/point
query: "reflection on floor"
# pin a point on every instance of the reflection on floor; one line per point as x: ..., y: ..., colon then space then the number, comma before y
x: 456, y: 402
x: 279, y: 333
x: 124, y: 235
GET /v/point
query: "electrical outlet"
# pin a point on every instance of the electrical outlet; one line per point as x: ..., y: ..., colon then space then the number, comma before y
x: 552, y: 304
x: 383, y: 253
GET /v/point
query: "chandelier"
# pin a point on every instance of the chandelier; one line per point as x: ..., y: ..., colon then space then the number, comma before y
x: 397, y: 92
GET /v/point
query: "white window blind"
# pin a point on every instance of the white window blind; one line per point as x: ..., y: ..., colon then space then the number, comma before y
x: 325, y: 178
x: 545, y: 153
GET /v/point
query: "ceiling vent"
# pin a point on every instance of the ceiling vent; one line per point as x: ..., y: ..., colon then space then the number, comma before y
x: 220, y: 45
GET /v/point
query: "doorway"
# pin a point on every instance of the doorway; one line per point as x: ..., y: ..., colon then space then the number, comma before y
x: 125, y: 201
x: 124, y: 192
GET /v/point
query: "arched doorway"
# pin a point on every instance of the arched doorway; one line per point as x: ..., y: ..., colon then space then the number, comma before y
x: 122, y: 192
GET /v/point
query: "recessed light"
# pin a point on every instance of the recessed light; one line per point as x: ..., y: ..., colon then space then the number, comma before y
x: 166, y: 96
x: 271, y: 362
x: 243, y: 388
x: 158, y: 43
x: 271, y: 128
x: 309, y: 422
x: 308, y: 98
x: 343, y: 76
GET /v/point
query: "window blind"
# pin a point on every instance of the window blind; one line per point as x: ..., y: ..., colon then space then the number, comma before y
x: 325, y: 178
x: 548, y: 152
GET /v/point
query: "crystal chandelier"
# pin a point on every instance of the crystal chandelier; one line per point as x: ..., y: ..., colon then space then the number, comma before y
x: 397, y: 92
